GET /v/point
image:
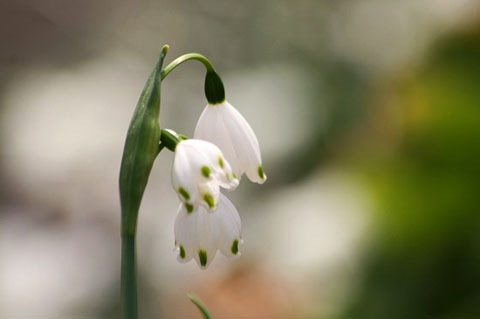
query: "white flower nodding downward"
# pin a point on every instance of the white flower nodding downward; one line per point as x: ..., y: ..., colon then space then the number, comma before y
x: 201, y: 233
x: 225, y: 127
x: 199, y: 169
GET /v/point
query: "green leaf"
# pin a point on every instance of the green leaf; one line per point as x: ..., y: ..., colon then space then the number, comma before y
x: 203, y: 309
x: 141, y: 149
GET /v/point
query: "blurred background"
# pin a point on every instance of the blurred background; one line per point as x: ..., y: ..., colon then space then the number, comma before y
x: 368, y: 116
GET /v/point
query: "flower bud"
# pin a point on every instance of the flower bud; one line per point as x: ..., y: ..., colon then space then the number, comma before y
x: 141, y: 149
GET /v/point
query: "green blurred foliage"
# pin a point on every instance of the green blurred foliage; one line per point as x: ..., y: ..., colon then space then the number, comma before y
x: 426, y: 258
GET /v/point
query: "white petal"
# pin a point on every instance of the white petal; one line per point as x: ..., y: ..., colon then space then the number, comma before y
x: 228, y: 221
x: 228, y: 180
x: 182, y: 180
x: 245, y: 143
x: 210, y: 127
x: 225, y: 176
x: 224, y: 126
x: 207, y: 234
x: 210, y: 194
x: 206, y: 123
x: 197, y: 154
x: 185, y: 234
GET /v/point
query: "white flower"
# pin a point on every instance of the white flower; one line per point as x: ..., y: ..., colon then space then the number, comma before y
x: 224, y: 126
x: 199, y: 169
x: 201, y: 233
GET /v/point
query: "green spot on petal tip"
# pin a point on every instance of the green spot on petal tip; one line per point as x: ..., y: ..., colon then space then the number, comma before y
x: 189, y: 207
x: 235, y: 247
x: 220, y: 162
x: 182, y: 252
x: 261, y: 173
x: 209, y: 200
x: 202, y: 254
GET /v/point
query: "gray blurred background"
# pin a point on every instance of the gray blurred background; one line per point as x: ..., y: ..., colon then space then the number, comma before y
x: 368, y: 116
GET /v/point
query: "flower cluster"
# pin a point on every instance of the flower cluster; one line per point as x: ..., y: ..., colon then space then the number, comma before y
x: 223, y: 148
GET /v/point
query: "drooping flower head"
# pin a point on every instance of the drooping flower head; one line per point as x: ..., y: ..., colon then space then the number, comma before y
x: 199, y: 170
x: 221, y: 124
x: 201, y: 233
x: 225, y: 127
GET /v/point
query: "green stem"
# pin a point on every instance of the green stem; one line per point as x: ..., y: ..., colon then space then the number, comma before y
x: 129, y: 278
x: 190, y: 56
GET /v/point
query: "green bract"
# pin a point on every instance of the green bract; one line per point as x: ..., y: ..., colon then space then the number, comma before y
x: 141, y: 149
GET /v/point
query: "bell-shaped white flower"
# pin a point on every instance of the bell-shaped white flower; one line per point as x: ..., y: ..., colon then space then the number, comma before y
x: 199, y: 169
x: 201, y: 233
x: 225, y: 127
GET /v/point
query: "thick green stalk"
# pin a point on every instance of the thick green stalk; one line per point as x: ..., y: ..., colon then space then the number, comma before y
x: 129, y: 278
x: 141, y: 149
